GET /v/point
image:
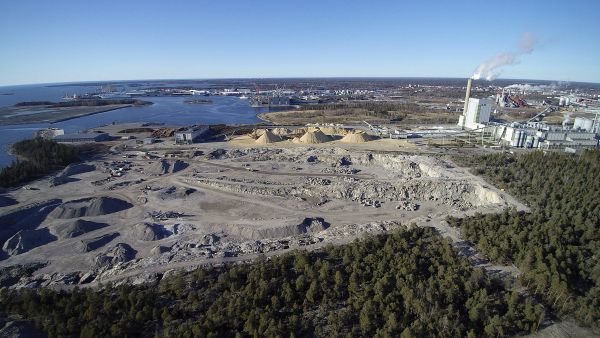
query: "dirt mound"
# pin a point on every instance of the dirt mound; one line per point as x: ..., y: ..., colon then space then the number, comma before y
x: 358, y: 137
x: 75, y: 228
x: 159, y: 168
x: 26, y: 240
x: 120, y: 253
x: 76, y: 169
x: 95, y: 243
x: 92, y: 206
x: 27, y: 217
x: 163, y: 167
x: 149, y: 232
x: 157, y: 250
x: 268, y: 137
x: 308, y: 225
x: 174, y: 192
x: 314, y: 137
x: 296, y: 140
x: 6, y: 201
x: 179, y: 165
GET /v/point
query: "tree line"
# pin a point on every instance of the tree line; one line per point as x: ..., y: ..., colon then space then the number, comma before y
x: 36, y: 158
x: 408, y: 283
x: 557, y: 244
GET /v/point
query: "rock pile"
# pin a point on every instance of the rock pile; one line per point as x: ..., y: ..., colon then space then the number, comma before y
x: 91, y: 206
x: 75, y: 228
x: 120, y: 253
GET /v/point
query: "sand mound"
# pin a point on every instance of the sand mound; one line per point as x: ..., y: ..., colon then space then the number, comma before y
x: 159, y: 168
x: 164, y: 166
x: 256, y: 133
x: 296, y: 140
x: 314, y: 137
x: 356, y: 138
x: 95, y: 243
x: 75, y: 228
x: 120, y: 253
x: 268, y: 137
x: 26, y: 240
x: 92, y: 206
x: 334, y: 131
x: 281, y: 131
x: 149, y: 232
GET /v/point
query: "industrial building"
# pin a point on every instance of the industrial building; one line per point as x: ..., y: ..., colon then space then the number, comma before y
x: 191, y: 135
x: 83, y: 137
x: 476, y: 112
x: 49, y: 133
x: 530, y: 134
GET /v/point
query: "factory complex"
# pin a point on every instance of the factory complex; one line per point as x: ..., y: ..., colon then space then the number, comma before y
x: 533, y: 133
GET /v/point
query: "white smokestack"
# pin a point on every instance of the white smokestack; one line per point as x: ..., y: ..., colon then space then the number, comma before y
x: 488, y: 69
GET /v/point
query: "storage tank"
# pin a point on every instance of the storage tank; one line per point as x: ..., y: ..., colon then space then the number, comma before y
x: 561, y: 101
x: 529, y: 141
x: 516, y: 138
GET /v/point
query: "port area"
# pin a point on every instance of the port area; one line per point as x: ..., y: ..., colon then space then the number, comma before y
x: 143, y: 211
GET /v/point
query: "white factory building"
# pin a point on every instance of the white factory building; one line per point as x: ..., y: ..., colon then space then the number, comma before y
x: 477, y: 113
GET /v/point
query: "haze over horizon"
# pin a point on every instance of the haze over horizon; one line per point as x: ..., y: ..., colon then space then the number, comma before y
x: 70, y: 41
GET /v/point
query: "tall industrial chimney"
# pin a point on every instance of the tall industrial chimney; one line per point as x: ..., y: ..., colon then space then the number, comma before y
x: 467, y: 95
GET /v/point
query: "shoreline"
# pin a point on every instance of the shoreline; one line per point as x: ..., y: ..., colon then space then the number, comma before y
x: 89, y: 114
x: 74, y: 116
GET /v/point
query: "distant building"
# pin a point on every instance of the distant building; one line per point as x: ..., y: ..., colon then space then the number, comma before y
x: 83, y: 137
x: 191, y: 135
x: 477, y: 113
x: 49, y: 133
x: 149, y: 140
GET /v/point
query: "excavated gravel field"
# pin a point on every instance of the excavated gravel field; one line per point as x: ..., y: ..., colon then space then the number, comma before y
x: 136, y: 216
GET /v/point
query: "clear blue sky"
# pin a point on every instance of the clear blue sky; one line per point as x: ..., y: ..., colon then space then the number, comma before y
x: 59, y: 41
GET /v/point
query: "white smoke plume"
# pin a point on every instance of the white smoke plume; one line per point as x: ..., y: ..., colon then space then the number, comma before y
x: 526, y: 87
x: 566, y: 118
x: 489, y: 69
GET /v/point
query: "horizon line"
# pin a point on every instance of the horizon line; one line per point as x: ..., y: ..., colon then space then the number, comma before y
x: 285, y: 78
